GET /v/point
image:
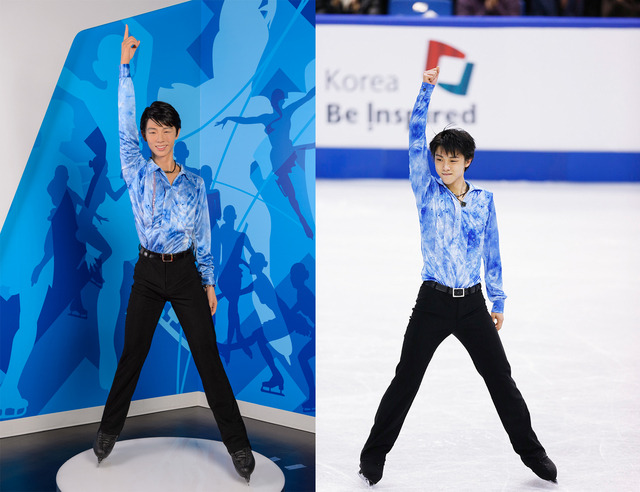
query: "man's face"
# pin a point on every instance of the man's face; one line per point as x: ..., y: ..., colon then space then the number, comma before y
x: 450, y: 168
x: 160, y: 138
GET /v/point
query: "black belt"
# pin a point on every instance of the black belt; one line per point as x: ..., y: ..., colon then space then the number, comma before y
x: 165, y: 257
x: 453, y: 292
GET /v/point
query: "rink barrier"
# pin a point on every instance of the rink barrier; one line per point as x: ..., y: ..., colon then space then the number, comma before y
x: 516, y: 165
x: 346, y: 139
x: 59, y: 420
x: 475, y: 21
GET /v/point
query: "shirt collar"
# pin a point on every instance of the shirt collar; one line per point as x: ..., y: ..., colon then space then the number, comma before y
x: 471, y: 187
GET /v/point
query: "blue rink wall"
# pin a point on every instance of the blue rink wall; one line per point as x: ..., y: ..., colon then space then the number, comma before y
x: 532, y: 166
x: 68, y: 245
x: 522, y: 86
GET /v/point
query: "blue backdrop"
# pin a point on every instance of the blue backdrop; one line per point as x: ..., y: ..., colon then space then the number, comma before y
x: 372, y: 161
x: 68, y: 245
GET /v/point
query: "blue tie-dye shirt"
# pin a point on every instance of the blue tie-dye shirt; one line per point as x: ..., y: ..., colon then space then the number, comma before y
x: 178, y: 217
x: 455, y: 239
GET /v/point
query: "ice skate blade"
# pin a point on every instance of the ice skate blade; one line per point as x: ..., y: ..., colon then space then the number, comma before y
x: 271, y: 391
x: 368, y: 482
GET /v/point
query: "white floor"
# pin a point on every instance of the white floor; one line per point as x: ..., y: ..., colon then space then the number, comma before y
x: 571, y: 261
x: 165, y: 464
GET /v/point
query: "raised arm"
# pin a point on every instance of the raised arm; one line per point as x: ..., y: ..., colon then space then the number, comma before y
x: 129, y: 47
x: 418, y: 152
x: 115, y: 194
x: 295, y: 105
x: 130, y: 155
x: 243, y: 120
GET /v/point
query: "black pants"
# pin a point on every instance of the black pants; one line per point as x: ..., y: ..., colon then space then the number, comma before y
x: 435, y: 316
x: 155, y: 283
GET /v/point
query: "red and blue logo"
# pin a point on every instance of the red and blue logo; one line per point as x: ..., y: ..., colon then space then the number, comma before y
x: 438, y: 50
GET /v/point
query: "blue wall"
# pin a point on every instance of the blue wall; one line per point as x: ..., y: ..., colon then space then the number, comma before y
x: 533, y: 166
x: 68, y: 245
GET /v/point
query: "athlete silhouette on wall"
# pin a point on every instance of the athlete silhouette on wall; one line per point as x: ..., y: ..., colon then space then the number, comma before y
x: 277, y: 126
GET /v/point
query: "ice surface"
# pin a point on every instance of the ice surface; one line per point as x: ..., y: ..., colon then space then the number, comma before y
x: 571, y: 261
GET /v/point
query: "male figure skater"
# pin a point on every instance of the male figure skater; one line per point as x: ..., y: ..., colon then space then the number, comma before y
x: 459, y: 230
x: 172, y: 219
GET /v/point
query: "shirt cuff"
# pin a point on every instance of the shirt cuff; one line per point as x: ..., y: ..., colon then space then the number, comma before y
x: 124, y: 70
x: 207, y: 280
x: 426, y: 86
x: 498, y: 306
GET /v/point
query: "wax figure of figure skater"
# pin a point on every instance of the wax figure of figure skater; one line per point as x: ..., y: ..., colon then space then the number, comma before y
x: 459, y: 230
x: 172, y: 221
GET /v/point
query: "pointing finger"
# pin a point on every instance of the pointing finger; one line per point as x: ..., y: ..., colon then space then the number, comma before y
x: 126, y: 31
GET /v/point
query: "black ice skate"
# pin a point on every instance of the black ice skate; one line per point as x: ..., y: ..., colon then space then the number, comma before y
x: 103, y: 445
x: 542, y: 466
x: 370, y: 473
x: 244, y: 462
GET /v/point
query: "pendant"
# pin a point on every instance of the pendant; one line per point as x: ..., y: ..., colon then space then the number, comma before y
x: 463, y: 204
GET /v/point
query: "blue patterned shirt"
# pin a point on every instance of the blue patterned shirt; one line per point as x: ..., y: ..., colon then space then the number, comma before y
x: 169, y: 218
x: 455, y: 239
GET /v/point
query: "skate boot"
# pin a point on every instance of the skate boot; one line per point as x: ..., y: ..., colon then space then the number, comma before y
x: 244, y: 462
x: 78, y: 312
x: 310, y: 404
x: 274, y: 386
x: 96, y: 274
x: 370, y: 472
x: 542, y: 466
x: 103, y: 445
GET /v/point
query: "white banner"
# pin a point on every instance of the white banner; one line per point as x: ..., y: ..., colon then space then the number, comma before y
x: 512, y: 88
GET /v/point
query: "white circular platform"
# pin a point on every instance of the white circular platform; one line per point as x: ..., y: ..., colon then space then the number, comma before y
x: 165, y: 464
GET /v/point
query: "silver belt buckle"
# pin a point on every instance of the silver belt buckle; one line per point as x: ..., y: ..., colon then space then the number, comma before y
x: 169, y: 256
x: 458, y: 292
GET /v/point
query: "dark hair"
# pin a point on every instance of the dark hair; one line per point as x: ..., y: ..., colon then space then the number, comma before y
x: 162, y: 113
x: 453, y: 141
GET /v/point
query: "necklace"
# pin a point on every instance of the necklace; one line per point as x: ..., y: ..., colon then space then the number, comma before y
x: 174, y: 168
x: 464, y: 192
x: 459, y: 197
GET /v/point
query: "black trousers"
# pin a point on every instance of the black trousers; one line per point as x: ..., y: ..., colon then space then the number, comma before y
x: 154, y: 283
x: 437, y: 315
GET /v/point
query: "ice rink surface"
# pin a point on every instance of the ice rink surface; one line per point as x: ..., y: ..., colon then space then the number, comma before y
x: 571, y: 270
